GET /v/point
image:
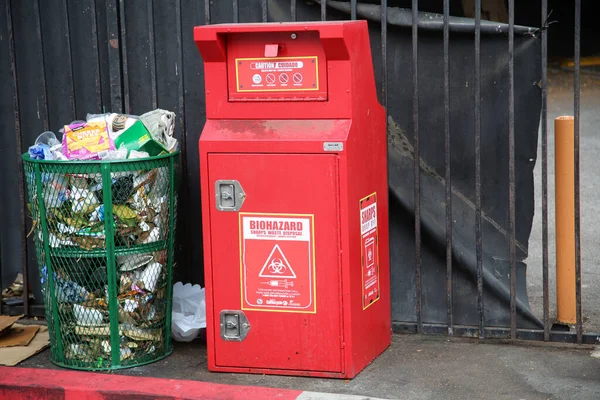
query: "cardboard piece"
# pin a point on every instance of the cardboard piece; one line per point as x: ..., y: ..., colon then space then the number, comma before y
x: 6, y: 322
x: 11, y: 356
x: 19, y: 335
x: 138, y: 138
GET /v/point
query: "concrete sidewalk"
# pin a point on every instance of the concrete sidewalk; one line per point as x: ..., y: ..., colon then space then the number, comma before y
x: 414, y: 367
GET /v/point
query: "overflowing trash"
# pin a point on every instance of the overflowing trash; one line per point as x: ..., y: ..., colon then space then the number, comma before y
x: 108, y: 228
x: 139, y: 197
x: 110, y: 137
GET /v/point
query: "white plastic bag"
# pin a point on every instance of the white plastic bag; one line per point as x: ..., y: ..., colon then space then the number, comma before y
x: 189, y: 312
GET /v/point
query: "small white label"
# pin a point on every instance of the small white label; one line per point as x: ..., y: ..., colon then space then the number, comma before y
x: 333, y: 146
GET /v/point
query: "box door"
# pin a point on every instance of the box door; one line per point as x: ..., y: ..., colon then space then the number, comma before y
x: 276, y: 266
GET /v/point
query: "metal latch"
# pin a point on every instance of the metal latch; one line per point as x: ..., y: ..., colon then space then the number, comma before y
x: 234, y: 325
x: 229, y: 195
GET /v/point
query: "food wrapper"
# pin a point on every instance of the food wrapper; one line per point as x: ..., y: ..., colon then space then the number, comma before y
x: 86, y: 141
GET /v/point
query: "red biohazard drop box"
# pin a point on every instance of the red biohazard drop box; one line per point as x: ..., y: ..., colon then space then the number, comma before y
x: 293, y: 171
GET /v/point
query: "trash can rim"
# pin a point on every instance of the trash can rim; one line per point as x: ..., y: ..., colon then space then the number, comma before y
x: 26, y: 157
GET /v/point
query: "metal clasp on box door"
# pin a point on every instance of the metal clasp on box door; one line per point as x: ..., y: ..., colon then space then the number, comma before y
x: 234, y: 325
x: 229, y: 195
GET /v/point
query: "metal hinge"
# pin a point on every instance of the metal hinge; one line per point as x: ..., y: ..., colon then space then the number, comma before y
x: 234, y: 325
x: 229, y: 195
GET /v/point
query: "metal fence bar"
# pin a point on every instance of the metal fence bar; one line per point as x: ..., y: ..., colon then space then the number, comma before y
x: 44, y: 88
x: 152, y: 50
x: 236, y: 11
x: 43, y: 115
x: 545, y: 279
x: 417, y: 161
x: 324, y: 9
x: 470, y: 331
x: 293, y: 9
x: 19, y: 146
x: 69, y: 68
x: 207, y: 12
x: 184, y: 190
x: 577, y: 103
x: 447, y: 169
x: 95, y: 46
x: 353, y: 9
x: 114, y: 56
x: 511, y: 170
x: 265, y: 10
x: 125, y: 65
x: 180, y: 91
x: 478, y: 232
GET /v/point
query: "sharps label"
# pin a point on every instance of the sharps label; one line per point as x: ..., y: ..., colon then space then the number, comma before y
x: 369, y: 250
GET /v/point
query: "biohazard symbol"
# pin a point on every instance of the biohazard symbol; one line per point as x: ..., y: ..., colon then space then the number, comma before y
x: 276, y: 265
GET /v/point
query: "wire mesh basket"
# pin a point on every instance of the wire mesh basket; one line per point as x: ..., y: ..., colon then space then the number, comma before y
x: 104, y: 236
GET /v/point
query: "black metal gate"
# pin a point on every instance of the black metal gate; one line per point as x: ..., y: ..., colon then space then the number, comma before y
x: 69, y: 57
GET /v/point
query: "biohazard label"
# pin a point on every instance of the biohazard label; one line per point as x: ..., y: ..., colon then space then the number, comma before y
x: 369, y: 250
x: 277, y: 262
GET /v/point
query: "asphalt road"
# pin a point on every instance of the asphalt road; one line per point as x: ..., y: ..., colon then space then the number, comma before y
x: 560, y: 102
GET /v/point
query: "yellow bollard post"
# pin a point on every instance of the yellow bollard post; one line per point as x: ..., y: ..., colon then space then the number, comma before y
x: 565, y: 219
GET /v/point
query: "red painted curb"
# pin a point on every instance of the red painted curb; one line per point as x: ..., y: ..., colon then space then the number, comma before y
x: 47, y: 384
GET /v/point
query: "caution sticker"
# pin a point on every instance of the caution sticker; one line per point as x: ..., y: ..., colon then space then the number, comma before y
x: 369, y: 250
x: 286, y: 74
x: 277, y: 262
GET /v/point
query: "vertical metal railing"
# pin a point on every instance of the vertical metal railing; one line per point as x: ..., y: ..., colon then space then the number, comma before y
x: 207, y: 19
x: 43, y: 114
x: 69, y: 61
x: 236, y: 11
x: 19, y: 145
x: 478, y: 232
x: 544, y: 132
x: 293, y: 9
x: 125, y: 65
x: 264, y: 10
x: 417, y: 162
x: 448, y: 171
x: 96, y: 64
x: 114, y: 57
x: 152, y: 54
x: 576, y: 106
x: 511, y: 170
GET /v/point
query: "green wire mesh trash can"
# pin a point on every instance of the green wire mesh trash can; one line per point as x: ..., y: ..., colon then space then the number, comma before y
x: 104, y: 235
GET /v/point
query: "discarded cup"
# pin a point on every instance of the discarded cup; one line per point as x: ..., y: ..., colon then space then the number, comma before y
x: 48, y: 138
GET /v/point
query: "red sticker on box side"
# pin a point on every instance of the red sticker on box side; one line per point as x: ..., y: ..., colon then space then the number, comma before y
x: 369, y: 249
